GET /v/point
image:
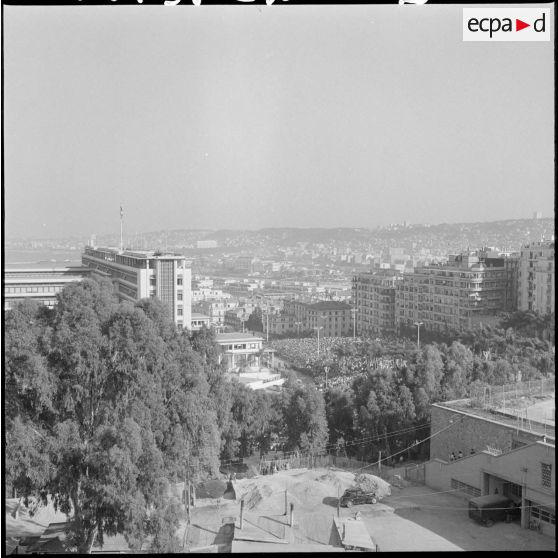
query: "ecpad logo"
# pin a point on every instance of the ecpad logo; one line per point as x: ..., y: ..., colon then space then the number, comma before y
x: 506, y: 24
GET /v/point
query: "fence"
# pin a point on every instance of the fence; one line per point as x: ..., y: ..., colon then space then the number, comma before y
x: 415, y: 473
x: 386, y: 472
x: 491, y: 396
x: 295, y: 461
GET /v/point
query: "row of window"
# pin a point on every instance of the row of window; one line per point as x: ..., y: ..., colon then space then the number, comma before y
x: 41, y: 289
x: 543, y: 514
x: 546, y: 475
x: 240, y: 346
x: 465, y: 488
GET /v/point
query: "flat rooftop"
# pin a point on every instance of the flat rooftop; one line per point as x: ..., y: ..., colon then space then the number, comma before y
x: 140, y: 254
x: 524, y: 413
x: 42, y: 266
x: 236, y: 336
x: 329, y: 305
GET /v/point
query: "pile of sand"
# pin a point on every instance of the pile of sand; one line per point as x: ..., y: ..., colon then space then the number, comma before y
x: 306, y: 488
x: 372, y: 483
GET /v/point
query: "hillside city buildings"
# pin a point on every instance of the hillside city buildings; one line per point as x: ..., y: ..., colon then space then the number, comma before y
x: 469, y: 289
x: 390, y: 295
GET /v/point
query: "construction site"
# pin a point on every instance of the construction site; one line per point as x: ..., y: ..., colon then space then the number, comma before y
x: 298, y: 511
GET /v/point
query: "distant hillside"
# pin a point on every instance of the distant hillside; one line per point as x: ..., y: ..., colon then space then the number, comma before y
x: 446, y: 237
x: 508, y: 234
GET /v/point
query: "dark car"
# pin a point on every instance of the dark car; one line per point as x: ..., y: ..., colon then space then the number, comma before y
x: 357, y: 496
x: 488, y: 509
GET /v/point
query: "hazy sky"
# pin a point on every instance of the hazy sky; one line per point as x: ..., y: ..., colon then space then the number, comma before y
x: 249, y: 117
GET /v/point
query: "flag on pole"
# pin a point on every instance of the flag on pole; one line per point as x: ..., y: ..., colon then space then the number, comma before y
x: 121, y: 212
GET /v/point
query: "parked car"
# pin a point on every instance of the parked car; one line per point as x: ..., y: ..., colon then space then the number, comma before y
x: 491, y: 508
x: 357, y: 496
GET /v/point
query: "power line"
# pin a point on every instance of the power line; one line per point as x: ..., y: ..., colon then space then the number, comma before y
x: 356, y: 441
x: 409, y: 447
x: 492, y: 508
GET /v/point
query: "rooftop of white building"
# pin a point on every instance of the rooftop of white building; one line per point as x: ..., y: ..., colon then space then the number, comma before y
x: 140, y: 254
x: 237, y: 337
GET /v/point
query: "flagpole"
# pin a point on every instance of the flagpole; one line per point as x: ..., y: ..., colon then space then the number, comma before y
x: 121, y: 242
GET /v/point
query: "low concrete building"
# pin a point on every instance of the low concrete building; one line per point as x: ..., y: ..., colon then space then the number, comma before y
x: 480, y: 447
x: 41, y: 284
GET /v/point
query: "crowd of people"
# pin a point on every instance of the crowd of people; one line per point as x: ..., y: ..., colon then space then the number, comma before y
x: 341, y: 359
x: 303, y: 353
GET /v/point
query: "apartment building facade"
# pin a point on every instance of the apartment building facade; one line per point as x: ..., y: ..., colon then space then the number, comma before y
x: 280, y: 324
x: 332, y: 317
x: 216, y: 309
x: 374, y: 298
x: 138, y: 274
x: 469, y: 290
x: 536, y: 289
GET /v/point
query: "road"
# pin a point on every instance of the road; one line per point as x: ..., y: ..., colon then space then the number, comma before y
x: 414, y: 519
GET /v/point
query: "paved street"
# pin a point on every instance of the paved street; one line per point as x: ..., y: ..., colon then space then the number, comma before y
x: 412, y: 519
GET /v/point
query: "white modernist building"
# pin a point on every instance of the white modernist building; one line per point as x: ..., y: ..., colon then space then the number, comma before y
x: 243, y: 354
x: 138, y: 274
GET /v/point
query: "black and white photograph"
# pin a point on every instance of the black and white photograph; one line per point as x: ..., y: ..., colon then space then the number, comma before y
x: 278, y: 277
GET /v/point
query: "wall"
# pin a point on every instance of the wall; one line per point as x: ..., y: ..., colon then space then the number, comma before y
x: 469, y: 432
x: 438, y: 473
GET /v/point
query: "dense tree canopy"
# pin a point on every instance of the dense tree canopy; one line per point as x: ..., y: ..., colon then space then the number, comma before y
x: 106, y: 405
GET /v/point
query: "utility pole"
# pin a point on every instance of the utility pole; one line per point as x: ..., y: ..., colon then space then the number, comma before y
x: 418, y: 324
x: 187, y: 492
x: 267, y: 322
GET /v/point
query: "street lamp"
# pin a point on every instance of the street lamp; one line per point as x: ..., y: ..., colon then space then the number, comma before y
x: 418, y: 324
x: 326, y: 368
x: 267, y: 323
x: 353, y: 312
x: 317, y: 328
